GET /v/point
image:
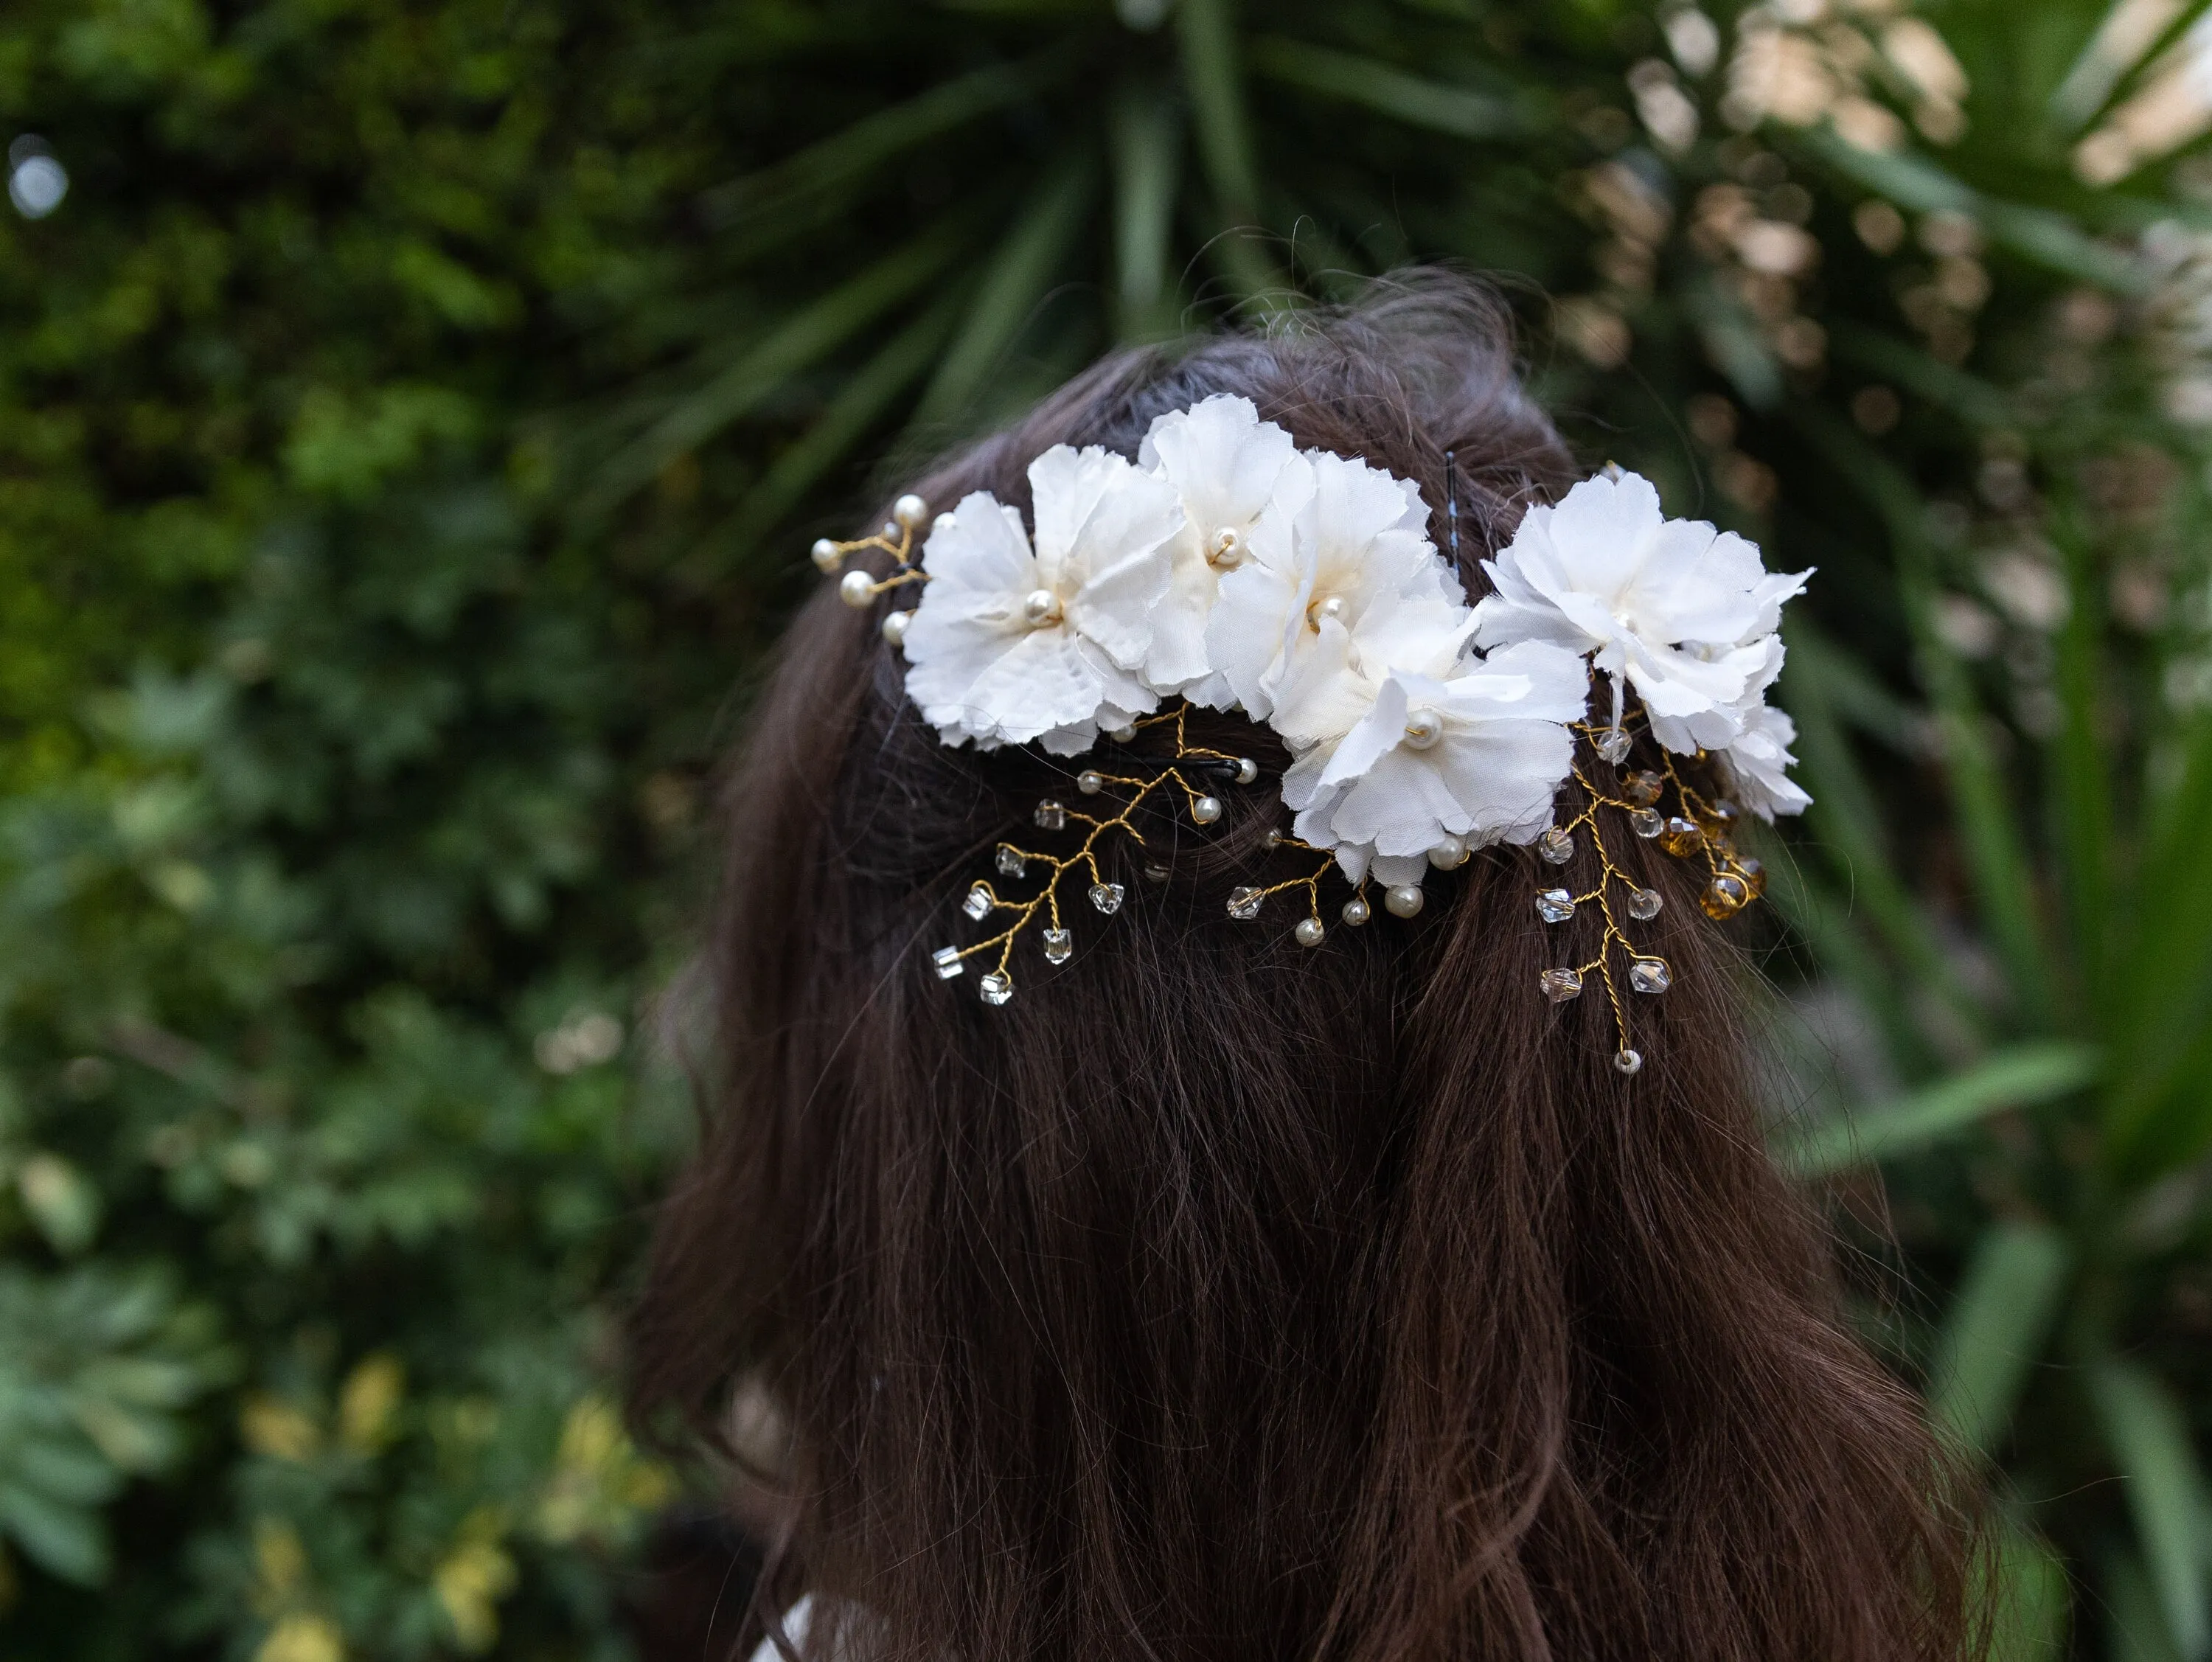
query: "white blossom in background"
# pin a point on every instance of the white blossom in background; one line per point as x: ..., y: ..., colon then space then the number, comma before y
x: 1477, y: 754
x: 1232, y: 471
x: 1359, y: 540
x: 1681, y: 612
x: 1013, y: 643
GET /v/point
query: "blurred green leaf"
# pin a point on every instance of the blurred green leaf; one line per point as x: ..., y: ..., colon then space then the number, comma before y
x: 2015, y: 1078
x: 2003, y: 1312
x: 2148, y: 1435
x: 1411, y: 98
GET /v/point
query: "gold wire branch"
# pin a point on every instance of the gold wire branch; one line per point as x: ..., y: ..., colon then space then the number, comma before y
x: 858, y: 588
x: 1702, y: 825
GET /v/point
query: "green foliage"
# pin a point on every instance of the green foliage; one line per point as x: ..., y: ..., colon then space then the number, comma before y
x: 408, y: 425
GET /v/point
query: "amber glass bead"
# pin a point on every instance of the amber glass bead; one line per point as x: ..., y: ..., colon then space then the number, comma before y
x: 1681, y: 838
x: 1724, y: 897
x: 1642, y: 788
x: 1754, y: 874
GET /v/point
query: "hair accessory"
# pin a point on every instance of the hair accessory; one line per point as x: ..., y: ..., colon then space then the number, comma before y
x: 1226, y: 569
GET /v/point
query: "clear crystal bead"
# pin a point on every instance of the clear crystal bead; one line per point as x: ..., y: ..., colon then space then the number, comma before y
x: 1555, y: 905
x: 1156, y: 873
x: 1650, y: 975
x: 1556, y: 846
x: 1644, y: 904
x: 1561, y: 985
x: 1058, y: 945
x: 1107, y: 896
x: 948, y: 963
x: 1051, y: 816
x: 978, y: 905
x: 1628, y: 1062
x: 1612, y: 744
x: 995, y: 989
x: 1011, y: 863
x: 1244, y: 903
x: 1642, y: 789
x: 1646, y: 823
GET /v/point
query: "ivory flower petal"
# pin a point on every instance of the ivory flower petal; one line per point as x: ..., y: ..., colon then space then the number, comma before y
x: 1672, y: 608
x: 1382, y: 800
x: 1359, y: 540
x: 981, y: 667
x: 1230, y: 470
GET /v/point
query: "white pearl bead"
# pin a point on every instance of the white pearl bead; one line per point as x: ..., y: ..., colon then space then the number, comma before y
x: 1317, y: 610
x: 945, y: 521
x: 1449, y: 853
x: 1227, y: 550
x: 1247, y: 769
x: 1357, y: 911
x: 1123, y: 735
x: 1089, y: 781
x: 1206, y: 810
x: 909, y: 510
x: 828, y: 556
x: 895, y: 625
x: 1040, y: 607
x: 1403, y: 900
x: 1423, y: 727
x: 857, y: 589
x: 1308, y: 931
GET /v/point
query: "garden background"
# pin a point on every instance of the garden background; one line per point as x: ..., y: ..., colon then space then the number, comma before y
x: 413, y: 417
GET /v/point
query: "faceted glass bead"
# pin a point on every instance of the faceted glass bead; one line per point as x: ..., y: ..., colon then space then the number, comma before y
x: 995, y: 989
x: 1644, y: 904
x: 1650, y: 975
x: 948, y: 963
x: 1719, y: 842
x: 1107, y: 896
x: 1724, y: 897
x: 1555, y: 905
x: 1613, y: 744
x: 1642, y: 789
x: 1681, y: 838
x: 1157, y: 873
x: 1556, y: 845
x: 1628, y: 1062
x: 1646, y: 822
x: 1058, y: 945
x: 1244, y: 903
x: 978, y: 905
x: 1717, y: 816
x: 1051, y: 816
x: 1011, y: 863
x: 1561, y: 985
x: 1753, y: 875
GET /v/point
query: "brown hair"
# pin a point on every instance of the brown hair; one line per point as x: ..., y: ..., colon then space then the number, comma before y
x: 1219, y: 1299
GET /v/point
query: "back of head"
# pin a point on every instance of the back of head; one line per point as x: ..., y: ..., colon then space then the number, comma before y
x: 1222, y: 1297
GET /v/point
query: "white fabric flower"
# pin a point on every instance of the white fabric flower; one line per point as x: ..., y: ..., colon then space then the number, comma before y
x: 1231, y: 469
x: 1357, y: 541
x: 1757, y: 764
x: 1671, y: 607
x: 1477, y: 754
x: 1012, y: 643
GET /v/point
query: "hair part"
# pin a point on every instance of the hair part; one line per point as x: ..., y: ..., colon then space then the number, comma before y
x: 1219, y: 1299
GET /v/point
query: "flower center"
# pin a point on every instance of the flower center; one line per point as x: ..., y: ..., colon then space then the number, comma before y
x: 1041, y: 607
x: 1423, y: 727
x: 1225, y: 550
x: 1317, y: 610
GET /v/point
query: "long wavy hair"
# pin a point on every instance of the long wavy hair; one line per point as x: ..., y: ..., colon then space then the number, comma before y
x: 1225, y: 1301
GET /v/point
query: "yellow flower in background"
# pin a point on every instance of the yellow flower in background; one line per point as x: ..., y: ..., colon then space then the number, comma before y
x: 302, y: 1638
x: 273, y: 1427
x: 367, y: 1400
x: 600, y: 1482
x: 474, y: 1577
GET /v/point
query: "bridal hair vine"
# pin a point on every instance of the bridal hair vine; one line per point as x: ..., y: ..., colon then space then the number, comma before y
x: 1226, y: 569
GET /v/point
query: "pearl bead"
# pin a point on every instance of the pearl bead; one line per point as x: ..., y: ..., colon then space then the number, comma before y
x: 1247, y: 769
x: 1206, y: 810
x: 909, y: 510
x: 945, y: 521
x: 857, y: 589
x: 1040, y: 607
x: 828, y: 556
x: 1317, y: 610
x: 1122, y: 734
x: 1423, y: 727
x: 1403, y: 900
x: 1357, y: 911
x: 895, y: 625
x: 1451, y: 853
x: 1308, y: 931
x: 1227, y: 549
x: 1089, y: 781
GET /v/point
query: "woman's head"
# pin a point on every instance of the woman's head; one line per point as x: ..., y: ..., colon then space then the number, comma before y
x: 1219, y: 1298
